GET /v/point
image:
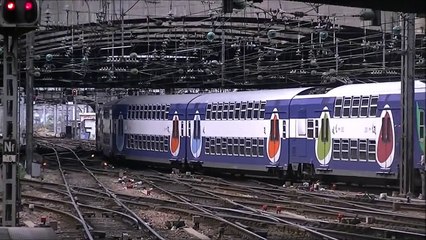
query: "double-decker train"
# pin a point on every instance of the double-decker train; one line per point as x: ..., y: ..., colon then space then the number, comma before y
x: 352, y: 131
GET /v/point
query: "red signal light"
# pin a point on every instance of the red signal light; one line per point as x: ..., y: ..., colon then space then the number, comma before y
x: 10, y: 6
x: 28, y: 6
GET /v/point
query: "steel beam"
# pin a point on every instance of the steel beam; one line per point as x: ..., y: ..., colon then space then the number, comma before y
x: 10, y: 132
x: 407, y: 101
x: 29, y: 92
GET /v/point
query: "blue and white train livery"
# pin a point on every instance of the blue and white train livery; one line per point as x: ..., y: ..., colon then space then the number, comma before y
x: 352, y: 130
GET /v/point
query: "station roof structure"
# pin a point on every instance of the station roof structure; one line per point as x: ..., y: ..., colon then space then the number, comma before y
x: 260, y: 45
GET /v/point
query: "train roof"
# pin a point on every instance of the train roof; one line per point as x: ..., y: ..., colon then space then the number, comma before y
x: 264, y: 95
x: 157, y: 99
x: 372, y: 89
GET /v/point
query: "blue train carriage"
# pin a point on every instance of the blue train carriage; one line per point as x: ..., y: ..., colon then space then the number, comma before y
x: 353, y: 132
x: 240, y: 131
x: 151, y: 128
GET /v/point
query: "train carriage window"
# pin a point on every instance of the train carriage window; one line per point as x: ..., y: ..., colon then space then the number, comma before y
x: 262, y: 110
x: 256, y: 109
x: 362, y: 150
x: 143, y: 142
x: 346, y: 106
x: 316, y: 128
x: 284, y: 129
x: 248, y: 147
x: 158, y: 112
x: 242, y: 146
x: 129, y: 111
x: 166, y: 143
x: 136, y: 111
x: 336, y: 149
x: 310, y: 128
x: 243, y: 111
x: 207, y: 146
x: 355, y: 107
x: 254, y: 147
x: 371, y: 150
x: 148, y: 143
x: 235, y: 146
x: 220, y: 111
x: 229, y: 145
x: 354, y: 150
x: 260, y: 148
x: 145, y: 112
x: 213, y: 146
x: 209, y: 112
x: 373, y: 106
x: 224, y: 146
x: 218, y: 146
x: 214, y: 110
x: 182, y: 127
x: 250, y: 110
x: 149, y: 117
x: 132, y: 112
x: 166, y: 114
x: 225, y: 111
x: 152, y: 142
x: 157, y: 143
x: 129, y: 141
x: 163, y: 112
x: 162, y: 143
x: 338, y: 107
x: 231, y: 113
x: 237, y: 111
x: 345, y: 149
x: 364, y: 106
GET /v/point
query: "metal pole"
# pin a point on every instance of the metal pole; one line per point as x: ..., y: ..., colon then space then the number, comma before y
x: 407, y: 100
x: 55, y: 120
x: 10, y: 136
x: 29, y: 91
x: 223, y: 53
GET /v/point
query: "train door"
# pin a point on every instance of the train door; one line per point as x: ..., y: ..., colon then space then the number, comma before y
x: 301, y: 135
x: 119, y: 133
x: 323, y: 140
x: 274, y: 138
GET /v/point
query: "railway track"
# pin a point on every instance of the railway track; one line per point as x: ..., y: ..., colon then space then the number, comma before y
x: 387, y: 223
x: 104, y: 224
x: 249, y: 210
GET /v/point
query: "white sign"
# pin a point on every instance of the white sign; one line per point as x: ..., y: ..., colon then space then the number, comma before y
x: 9, y: 158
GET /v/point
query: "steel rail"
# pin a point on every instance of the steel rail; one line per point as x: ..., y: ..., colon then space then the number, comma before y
x: 87, y: 228
x: 204, y: 210
x: 114, y: 197
x: 262, y: 213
